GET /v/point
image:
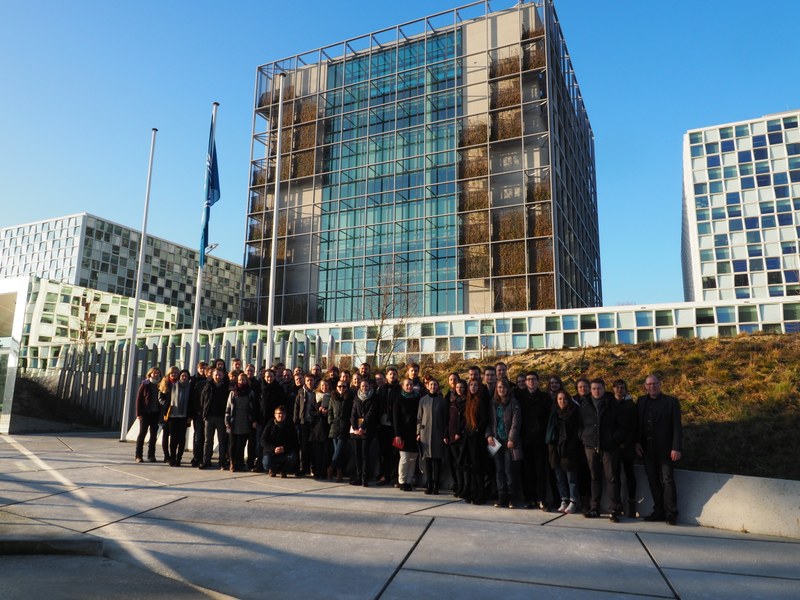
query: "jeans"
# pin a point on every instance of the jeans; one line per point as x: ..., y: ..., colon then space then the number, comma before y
x: 505, y: 475
x: 339, y: 460
x: 215, y: 425
x: 568, y: 485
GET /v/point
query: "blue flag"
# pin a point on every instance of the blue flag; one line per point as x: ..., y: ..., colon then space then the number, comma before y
x: 212, y: 192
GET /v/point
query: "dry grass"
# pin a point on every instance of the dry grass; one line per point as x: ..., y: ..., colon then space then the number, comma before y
x: 739, y: 396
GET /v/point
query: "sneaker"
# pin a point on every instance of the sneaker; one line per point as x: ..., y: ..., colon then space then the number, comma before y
x: 563, y: 507
x: 571, y: 509
x: 138, y: 459
x: 542, y: 506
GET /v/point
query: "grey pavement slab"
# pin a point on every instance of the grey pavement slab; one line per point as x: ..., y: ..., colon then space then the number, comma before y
x: 245, y: 487
x: 87, y: 578
x: 358, y: 498
x: 21, y: 535
x: 767, y: 559
x: 97, y: 476
x: 14, y: 492
x: 290, y: 517
x: 410, y: 583
x: 514, y: 552
x: 691, y: 585
x: 81, y: 510
x: 254, y: 563
x: 457, y: 509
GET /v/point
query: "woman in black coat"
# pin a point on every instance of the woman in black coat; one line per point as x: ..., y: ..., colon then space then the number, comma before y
x: 364, y: 429
x: 404, y: 419
x: 565, y: 450
x: 474, y: 457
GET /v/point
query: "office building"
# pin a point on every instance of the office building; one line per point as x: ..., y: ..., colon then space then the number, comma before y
x: 439, y: 167
x: 85, y: 250
x: 741, y: 209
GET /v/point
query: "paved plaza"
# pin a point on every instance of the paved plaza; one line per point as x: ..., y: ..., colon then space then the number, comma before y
x: 80, y: 519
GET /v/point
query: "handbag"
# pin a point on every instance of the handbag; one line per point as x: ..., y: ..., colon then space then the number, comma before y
x: 398, y: 443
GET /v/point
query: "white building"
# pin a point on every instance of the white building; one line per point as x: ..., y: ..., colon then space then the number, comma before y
x: 91, y: 252
x: 741, y: 209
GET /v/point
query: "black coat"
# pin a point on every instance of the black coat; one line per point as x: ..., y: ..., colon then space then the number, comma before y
x: 602, y: 429
x: 283, y: 434
x: 365, y: 414
x: 404, y: 419
x: 214, y: 399
x: 563, y: 441
x: 660, y: 430
x: 272, y: 396
x: 535, y: 415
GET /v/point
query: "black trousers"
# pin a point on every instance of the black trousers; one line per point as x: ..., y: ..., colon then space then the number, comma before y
x: 534, y: 473
x: 603, y: 465
x: 389, y: 455
x: 177, y: 438
x: 148, y: 422
x: 660, y: 476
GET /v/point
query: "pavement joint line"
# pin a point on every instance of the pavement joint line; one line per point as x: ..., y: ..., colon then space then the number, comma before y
x: 737, y: 573
x: 60, y: 439
x: 552, y: 585
x: 555, y: 518
x: 658, y: 567
x: 139, y: 514
x: 43, y: 522
x: 405, y: 559
x: 443, y: 503
x: 77, y: 487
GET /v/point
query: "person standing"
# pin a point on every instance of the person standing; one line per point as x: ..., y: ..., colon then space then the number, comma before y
x: 505, y: 423
x: 432, y: 420
x: 214, y: 399
x: 659, y: 442
x: 627, y: 452
x: 535, y: 406
x: 602, y: 432
x: 148, y: 412
x: 305, y: 417
x: 404, y: 419
x: 177, y: 399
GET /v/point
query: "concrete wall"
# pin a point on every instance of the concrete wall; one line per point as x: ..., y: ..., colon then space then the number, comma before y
x: 733, y: 502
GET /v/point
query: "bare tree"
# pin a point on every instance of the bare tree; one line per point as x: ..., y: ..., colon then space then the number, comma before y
x: 387, y: 308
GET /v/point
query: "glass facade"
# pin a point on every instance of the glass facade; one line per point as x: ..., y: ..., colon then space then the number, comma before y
x: 741, y: 209
x: 439, y: 167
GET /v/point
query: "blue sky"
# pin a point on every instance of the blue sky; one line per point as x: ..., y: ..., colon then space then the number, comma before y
x: 84, y: 83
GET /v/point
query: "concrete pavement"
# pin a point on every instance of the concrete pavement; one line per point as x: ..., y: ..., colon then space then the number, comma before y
x: 79, y: 519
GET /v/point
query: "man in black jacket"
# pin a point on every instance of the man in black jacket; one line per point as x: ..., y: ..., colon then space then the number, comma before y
x: 280, y: 444
x: 214, y: 398
x: 602, y: 432
x: 535, y: 405
x: 659, y: 441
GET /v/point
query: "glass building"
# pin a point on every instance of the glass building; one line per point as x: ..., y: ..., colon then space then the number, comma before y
x: 88, y: 251
x: 741, y: 209
x: 439, y: 167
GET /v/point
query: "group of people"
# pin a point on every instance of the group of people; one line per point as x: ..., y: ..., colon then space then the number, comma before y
x: 515, y: 444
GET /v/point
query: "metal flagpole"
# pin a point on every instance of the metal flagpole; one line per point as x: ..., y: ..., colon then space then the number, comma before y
x: 129, y: 374
x: 206, y: 212
x: 273, y: 261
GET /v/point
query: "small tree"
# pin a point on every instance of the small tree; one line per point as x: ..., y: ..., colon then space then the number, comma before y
x: 387, y: 309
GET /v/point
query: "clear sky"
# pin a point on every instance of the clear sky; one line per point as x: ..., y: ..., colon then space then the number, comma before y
x: 84, y: 82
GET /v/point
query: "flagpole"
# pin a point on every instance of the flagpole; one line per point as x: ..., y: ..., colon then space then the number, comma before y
x: 273, y: 260
x: 127, y: 400
x: 210, y: 167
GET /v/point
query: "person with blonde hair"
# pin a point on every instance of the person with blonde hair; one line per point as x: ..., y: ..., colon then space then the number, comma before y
x: 148, y: 412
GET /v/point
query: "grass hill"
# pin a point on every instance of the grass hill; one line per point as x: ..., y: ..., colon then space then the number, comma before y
x: 739, y: 396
